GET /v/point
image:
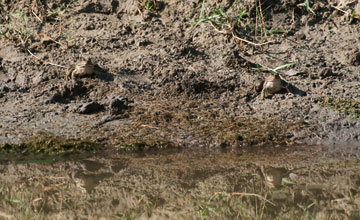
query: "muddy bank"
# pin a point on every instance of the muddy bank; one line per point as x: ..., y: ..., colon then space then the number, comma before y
x: 176, y: 74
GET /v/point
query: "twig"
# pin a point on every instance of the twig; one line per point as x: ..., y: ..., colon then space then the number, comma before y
x: 249, y: 42
x: 252, y: 194
x: 256, y: 19
x: 216, y: 29
x: 148, y: 126
x: 46, y: 62
x: 6, y: 216
x: 339, y: 9
x: 138, y: 9
x: 37, y: 16
x: 345, y: 12
x: 247, y: 194
x: 262, y: 18
x: 253, y: 62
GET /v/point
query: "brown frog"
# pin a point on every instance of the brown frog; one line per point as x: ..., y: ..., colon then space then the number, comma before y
x: 81, y: 69
x: 273, y: 84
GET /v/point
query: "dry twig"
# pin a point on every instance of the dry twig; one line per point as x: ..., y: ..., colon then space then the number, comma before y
x: 246, y: 194
x: 46, y: 62
x: 345, y: 12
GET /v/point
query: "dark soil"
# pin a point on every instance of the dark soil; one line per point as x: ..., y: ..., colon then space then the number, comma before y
x: 168, y: 78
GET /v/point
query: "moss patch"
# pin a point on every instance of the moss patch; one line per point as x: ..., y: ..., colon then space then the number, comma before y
x: 348, y: 107
x: 50, y: 145
x: 168, y: 125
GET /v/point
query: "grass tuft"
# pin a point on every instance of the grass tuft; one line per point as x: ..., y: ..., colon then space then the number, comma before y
x: 20, y: 30
x: 348, y: 107
x: 244, y: 23
x: 306, y: 4
x: 50, y: 145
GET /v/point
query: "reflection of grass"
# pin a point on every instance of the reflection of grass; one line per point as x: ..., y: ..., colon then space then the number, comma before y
x: 223, y: 206
x: 306, y: 210
x: 346, y: 106
x: 256, y: 202
x: 247, y: 206
x: 125, y: 217
x: 22, y: 201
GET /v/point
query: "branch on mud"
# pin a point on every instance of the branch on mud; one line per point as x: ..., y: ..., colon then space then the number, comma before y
x: 234, y: 35
x: 246, y: 194
x: 46, y: 62
x: 249, y: 42
x: 345, y: 12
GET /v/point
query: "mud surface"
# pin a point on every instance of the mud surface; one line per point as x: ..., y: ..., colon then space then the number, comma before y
x: 183, y: 82
x: 182, y: 74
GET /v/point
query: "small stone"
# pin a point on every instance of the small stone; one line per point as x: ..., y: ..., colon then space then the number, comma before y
x: 354, y: 58
x: 4, y: 89
x: 280, y: 196
x: 39, y: 77
x: 117, y: 104
x: 88, y: 108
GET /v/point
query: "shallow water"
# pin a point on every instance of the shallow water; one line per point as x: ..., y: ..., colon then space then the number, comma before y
x: 184, y: 184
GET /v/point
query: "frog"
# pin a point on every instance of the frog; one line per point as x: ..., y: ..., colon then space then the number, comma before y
x: 80, y: 69
x: 273, y: 84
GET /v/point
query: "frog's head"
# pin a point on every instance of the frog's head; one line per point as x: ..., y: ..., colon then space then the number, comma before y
x: 88, y: 61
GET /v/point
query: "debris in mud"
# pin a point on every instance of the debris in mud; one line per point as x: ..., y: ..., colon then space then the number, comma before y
x: 354, y: 58
x: 88, y: 108
x: 153, y: 125
x: 96, y: 8
x: 118, y: 104
x: 68, y: 92
x: 325, y: 73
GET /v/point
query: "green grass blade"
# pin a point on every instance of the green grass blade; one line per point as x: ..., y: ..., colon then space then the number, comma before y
x: 284, y: 66
x: 289, y: 182
x: 202, y: 9
x: 278, y: 31
x: 33, y: 161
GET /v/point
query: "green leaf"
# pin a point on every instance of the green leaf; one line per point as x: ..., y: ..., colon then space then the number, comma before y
x: 15, y: 201
x: 283, y: 66
x: 33, y: 161
x: 289, y: 182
